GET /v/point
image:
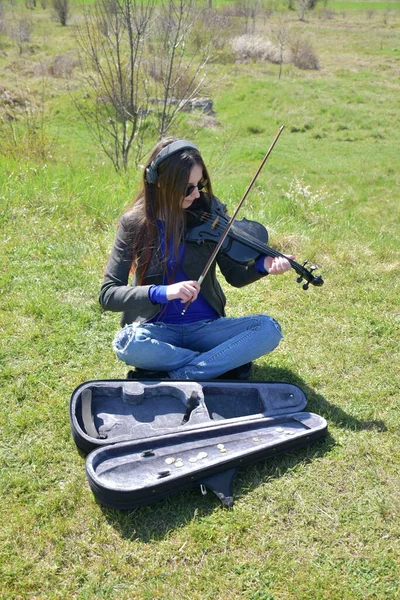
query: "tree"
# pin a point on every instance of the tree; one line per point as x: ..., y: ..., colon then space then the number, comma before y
x: 62, y: 11
x: 177, y: 66
x: 111, y: 42
x: 249, y: 9
x: 304, y: 6
x: 21, y: 32
x: 282, y: 36
x: 142, y: 68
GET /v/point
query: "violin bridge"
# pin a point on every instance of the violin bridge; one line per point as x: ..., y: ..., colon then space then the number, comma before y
x: 215, y: 223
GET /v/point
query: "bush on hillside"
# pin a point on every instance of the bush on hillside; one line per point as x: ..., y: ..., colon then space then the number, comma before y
x: 300, y: 53
x: 63, y: 65
x: 303, y: 55
x: 21, y: 32
x: 254, y: 47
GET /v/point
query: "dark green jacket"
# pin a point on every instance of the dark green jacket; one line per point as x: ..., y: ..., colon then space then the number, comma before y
x: 133, y: 300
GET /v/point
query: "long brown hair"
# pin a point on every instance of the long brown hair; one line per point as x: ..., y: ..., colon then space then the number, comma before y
x: 163, y: 200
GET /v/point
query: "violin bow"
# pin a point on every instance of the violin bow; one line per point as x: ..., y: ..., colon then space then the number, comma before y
x: 232, y: 218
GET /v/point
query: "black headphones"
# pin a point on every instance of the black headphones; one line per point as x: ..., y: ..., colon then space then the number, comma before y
x: 151, y: 171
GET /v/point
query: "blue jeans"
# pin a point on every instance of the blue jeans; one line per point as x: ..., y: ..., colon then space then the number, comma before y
x: 202, y: 350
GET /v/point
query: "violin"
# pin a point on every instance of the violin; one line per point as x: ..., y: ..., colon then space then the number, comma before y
x: 245, y: 242
x: 232, y: 236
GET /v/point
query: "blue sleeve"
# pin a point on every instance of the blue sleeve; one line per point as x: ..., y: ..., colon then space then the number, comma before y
x: 259, y: 265
x: 158, y: 294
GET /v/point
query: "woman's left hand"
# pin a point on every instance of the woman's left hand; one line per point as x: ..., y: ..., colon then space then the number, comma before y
x: 277, y: 265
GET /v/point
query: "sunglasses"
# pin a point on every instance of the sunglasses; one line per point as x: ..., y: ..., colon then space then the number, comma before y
x: 191, y: 188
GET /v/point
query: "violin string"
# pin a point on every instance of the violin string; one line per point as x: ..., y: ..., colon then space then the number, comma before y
x: 257, y: 245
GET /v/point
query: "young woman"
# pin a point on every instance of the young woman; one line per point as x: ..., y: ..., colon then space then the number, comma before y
x: 202, y: 343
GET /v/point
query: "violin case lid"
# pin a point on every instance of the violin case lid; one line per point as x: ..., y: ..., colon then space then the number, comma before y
x: 147, y: 439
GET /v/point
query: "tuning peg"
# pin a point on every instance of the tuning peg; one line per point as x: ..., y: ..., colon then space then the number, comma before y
x: 300, y: 279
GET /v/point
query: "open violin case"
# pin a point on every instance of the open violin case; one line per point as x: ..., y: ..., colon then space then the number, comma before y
x: 147, y: 439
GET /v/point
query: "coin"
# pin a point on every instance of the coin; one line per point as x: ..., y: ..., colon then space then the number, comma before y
x: 280, y: 429
x: 220, y: 446
x: 193, y: 459
x: 223, y: 450
x: 202, y: 455
x: 170, y: 460
x: 179, y: 463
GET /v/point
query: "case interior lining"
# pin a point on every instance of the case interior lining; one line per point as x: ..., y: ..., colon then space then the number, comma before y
x: 136, y: 409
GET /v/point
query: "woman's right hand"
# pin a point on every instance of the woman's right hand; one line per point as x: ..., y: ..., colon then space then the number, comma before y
x: 185, y: 291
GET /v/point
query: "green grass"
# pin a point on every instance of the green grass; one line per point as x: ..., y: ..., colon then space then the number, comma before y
x: 358, y: 5
x: 321, y: 523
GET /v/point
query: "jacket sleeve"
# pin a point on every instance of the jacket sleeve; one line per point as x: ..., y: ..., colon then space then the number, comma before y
x: 236, y: 274
x: 116, y: 294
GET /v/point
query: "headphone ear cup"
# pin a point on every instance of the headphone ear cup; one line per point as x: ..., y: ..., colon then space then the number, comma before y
x: 151, y: 174
x: 178, y: 146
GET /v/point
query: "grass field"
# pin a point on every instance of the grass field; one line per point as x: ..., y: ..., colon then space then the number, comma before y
x: 322, y: 523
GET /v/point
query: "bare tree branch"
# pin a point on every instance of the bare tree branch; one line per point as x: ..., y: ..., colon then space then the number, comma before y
x: 111, y: 41
x: 176, y: 67
x: 134, y: 52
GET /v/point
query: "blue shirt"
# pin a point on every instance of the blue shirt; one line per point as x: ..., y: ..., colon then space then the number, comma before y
x: 200, y: 309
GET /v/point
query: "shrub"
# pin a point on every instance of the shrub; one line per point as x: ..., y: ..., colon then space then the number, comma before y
x: 22, y: 126
x: 327, y: 14
x: 303, y: 55
x: 253, y: 47
x: 21, y: 32
x: 63, y: 65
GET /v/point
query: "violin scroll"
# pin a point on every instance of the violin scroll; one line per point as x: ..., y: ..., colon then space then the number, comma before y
x: 308, y: 275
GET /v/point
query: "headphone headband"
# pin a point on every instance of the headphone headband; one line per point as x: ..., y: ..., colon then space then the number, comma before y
x: 151, y: 171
